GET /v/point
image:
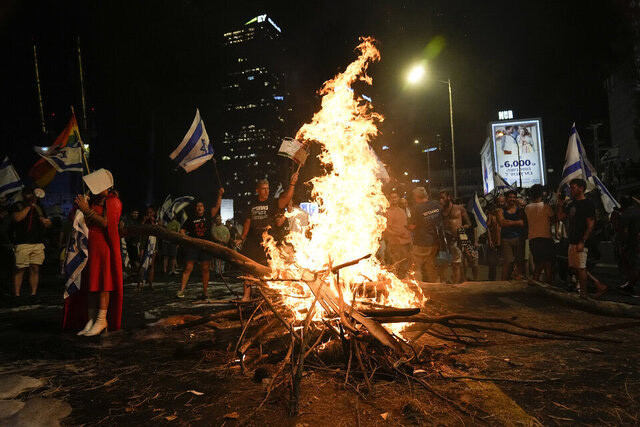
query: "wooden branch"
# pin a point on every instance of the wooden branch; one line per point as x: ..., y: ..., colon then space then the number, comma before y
x: 606, y: 308
x: 219, y: 251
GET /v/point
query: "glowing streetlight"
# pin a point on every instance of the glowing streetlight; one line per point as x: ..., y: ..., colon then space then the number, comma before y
x: 416, y: 73
x: 415, y: 76
x: 415, y: 141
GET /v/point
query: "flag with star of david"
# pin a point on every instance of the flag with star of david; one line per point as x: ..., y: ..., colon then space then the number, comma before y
x: 65, y: 159
x: 195, y: 148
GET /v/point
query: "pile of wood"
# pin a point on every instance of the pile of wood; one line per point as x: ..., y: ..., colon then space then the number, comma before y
x: 350, y: 340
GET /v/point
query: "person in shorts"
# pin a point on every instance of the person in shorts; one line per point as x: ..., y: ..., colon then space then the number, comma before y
x: 511, y: 222
x: 199, y: 227
x: 580, y: 214
x: 29, y: 223
x: 539, y: 216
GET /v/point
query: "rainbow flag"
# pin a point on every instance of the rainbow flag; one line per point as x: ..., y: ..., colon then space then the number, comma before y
x: 42, y: 172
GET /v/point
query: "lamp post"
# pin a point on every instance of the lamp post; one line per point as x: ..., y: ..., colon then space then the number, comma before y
x: 416, y: 74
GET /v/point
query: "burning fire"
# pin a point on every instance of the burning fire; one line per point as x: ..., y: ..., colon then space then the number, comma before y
x: 351, y: 203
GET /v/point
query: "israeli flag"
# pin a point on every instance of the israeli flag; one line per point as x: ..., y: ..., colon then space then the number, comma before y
x: 149, y: 252
x: 478, y: 213
x: 126, y: 262
x: 195, y: 149
x: 500, y: 184
x: 77, y: 254
x: 170, y: 208
x: 66, y: 159
x: 9, y: 180
x: 576, y: 164
x: 608, y: 201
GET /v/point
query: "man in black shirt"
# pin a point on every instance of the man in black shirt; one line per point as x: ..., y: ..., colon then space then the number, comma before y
x: 199, y: 227
x: 29, y: 223
x: 580, y: 213
x: 425, y: 219
x: 263, y: 213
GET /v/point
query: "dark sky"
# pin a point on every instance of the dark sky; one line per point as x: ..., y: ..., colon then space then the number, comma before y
x: 148, y: 64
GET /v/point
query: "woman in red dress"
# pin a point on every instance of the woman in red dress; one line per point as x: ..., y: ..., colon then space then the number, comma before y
x: 101, y: 289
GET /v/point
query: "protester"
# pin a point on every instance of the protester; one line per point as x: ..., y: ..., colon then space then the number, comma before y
x: 101, y: 287
x: 580, y: 213
x: 148, y: 252
x: 261, y: 215
x: 493, y: 237
x: 629, y: 241
x: 169, y: 250
x: 456, y: 222
x: 29, y: 224
x: 425, y: 220
x: 397, y: 237
x: 199, y: 227
x: 539, y: 215
x: 511, y: 222
x: 221, y: 235
x: 133, y: 242
x: 7, y: 261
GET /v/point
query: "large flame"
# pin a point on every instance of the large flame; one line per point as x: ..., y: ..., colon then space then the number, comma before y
x: 351, y: 203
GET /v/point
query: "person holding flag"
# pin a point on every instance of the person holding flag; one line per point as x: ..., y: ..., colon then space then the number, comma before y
x: 263, y: 213
x: 199, y: 227
x: 99, y: 301
x: 580, y: 213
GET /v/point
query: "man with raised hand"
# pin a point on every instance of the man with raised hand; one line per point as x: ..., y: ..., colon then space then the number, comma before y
x: 199, y: 227
x: 262, y: 214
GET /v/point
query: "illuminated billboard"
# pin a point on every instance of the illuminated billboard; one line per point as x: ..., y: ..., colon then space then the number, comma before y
x: 518, y: 151
x: 486, y: 157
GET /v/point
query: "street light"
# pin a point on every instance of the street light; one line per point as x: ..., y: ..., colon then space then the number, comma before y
x: 415, y: 75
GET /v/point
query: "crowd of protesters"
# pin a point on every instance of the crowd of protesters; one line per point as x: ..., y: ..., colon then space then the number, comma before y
x: 431, y: 237
x: 527, y: 235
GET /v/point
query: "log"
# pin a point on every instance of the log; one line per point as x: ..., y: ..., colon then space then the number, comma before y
x: 606, y: 308
x: 219, y: 251
x: 389, y: 312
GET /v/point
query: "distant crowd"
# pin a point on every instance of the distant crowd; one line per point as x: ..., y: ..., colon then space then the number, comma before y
x: 524, y: 236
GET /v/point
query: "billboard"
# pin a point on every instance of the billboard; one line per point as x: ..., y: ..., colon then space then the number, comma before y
x: 518, y: 151
x: 486, y: 157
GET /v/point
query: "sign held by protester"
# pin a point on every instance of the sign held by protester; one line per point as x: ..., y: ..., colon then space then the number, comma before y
x: 294, y: 150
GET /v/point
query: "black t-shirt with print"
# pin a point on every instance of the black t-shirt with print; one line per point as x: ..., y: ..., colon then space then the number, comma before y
x: 578, y: 211
x: 262, y: 215
x: 198, y: 227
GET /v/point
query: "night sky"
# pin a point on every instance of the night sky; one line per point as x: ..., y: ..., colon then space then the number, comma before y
x: 149, y: 64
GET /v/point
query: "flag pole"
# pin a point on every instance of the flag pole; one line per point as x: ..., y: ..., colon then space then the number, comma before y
x: 84, y: 158
x: 215, y: 168
x: 40, y: 102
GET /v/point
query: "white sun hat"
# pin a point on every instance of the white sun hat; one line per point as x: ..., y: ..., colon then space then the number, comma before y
x: 98, y: 181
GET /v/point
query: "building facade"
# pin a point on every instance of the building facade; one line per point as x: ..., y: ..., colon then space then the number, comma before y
x: 253, y: 108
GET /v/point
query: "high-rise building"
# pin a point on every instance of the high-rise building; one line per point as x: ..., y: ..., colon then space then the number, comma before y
x: 253, y: 108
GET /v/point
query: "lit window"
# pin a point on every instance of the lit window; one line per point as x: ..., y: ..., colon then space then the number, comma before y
x: 250, y: 78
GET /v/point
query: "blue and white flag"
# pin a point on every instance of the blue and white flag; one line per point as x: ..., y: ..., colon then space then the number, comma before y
x: 66, y: 159
x: 9, y: 180
x: 478, y: 213
x: 147, y: 258
x: 500, y: 184
x: 124, y: 252
x: 170, y: 208
x: 77, y: 253
x: 608, y: 201
x: 195, y: 149
x: 576, y: 164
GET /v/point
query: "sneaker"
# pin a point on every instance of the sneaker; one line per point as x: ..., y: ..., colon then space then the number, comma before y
x: 180, y: 294
x: 627, y: 288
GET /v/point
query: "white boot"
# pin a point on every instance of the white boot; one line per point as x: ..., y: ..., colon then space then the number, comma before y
x: 91, y: 314
x: 99, y: 325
